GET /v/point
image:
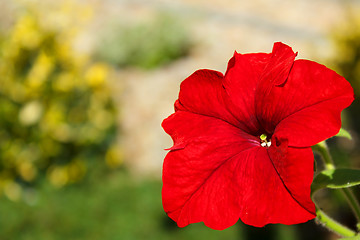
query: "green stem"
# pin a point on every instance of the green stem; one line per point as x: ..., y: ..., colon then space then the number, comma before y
x: 323, y: 150
x: 354, y: 204
x: 331, y: 224
x: 329, y: 164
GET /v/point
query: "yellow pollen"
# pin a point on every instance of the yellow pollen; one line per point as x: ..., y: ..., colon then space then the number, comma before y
x: 263, y: 137
x: 263, y: 141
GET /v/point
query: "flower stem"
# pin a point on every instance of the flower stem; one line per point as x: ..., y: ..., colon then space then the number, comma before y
x: 334, y: 226
x: 354, y: 204
x: 323, y: 150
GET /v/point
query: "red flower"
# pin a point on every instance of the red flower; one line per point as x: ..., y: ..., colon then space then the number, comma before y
x: 242, y: 141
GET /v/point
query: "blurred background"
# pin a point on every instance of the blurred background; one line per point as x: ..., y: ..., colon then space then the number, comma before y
x: 84, y: 86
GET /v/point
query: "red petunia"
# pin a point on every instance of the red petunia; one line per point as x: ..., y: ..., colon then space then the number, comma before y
x: 242, y: 141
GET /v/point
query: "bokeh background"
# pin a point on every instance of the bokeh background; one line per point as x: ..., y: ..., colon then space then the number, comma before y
x: 84, y: 86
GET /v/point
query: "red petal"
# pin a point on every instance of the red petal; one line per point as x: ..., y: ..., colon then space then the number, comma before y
x: 306, y: 109
x: 202, y: 93
x: 278, y: 68
x: 240, y: 82
x: 271, y: 194
x: 295, y: 167
x: 198, y: 179
x: 275, y: 74
x: 222, y: 175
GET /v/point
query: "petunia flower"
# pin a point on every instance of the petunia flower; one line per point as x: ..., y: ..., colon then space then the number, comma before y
x: 242, y: 141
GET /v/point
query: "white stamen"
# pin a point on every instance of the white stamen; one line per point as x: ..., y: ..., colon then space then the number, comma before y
x: 268, y: 144
x: 263, y: 144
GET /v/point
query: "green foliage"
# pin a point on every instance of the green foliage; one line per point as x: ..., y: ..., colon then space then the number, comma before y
x: 107, y: 205
x: 336, y: 178
x: 346, y: 60
x: 55, y: 107
x: 347, y: 46
x: 145, y: 45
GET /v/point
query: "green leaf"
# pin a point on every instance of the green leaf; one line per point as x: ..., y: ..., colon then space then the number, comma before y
x: 336, y: 178
x: 344, y: 133
x: 351, y: 238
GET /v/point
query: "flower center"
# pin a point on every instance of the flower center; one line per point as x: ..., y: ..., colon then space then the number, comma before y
x: 263, y: 141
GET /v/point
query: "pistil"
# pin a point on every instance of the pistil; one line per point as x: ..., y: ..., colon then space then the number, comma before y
x: 263, y: 141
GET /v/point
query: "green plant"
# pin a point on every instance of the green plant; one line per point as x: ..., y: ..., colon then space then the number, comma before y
x: 145, y: 45
x: 56, y: 110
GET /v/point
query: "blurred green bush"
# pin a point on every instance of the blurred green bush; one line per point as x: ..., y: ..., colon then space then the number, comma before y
x: 144, y: 45
x: 346, y: 61
x: 56, y: 111
x: 347, y: 46
x: 115, y: 208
